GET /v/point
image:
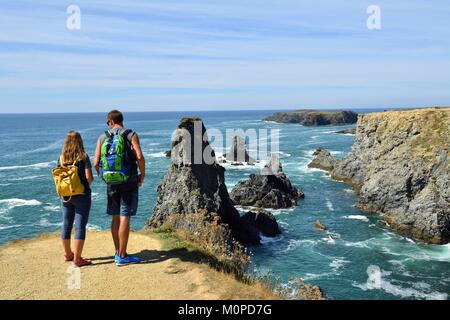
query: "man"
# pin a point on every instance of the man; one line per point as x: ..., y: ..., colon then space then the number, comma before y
x: 122, y: 196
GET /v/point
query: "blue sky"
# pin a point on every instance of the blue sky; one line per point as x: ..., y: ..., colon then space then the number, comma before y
x: 147, y: 55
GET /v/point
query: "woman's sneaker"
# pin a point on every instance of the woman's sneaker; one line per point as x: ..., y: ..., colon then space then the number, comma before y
x: 125, y: 260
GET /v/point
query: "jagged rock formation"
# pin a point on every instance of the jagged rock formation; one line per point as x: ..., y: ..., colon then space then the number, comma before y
x: 399, y: 166
x: 273, y: 190
x: 194, y: 183
x: 322, y: 160
x: 315, y: 117
x: 347, y: 131
x: 263, y: 221
x: 238, y: 152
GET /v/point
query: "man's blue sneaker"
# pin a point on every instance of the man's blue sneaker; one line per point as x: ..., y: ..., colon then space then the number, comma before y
x: 126, y: 260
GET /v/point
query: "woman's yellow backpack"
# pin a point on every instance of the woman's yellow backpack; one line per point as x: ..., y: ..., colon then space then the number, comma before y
x: 67, y: 181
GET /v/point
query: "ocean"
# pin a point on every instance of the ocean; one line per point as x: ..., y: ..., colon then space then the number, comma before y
x: 357, y: 258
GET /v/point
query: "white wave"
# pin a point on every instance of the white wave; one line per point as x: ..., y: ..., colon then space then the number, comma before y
x: 93, y: 227
x: 270, y: 122
x: 26, y: 178
x: 268, y: 240
x: 338, y: 263
x: 4, y: 227
x: 329, y: 205
x: 272, y: 211
x: 161, y: 154
x: 357, y: 244
x: 295, y: 243
x: 357, y: 217
x: 54, y: 208
x: 335, y: 153
x: 45, y: 223
x: 5, y: 184
x: 313, y: 276
x: 244, y: 166
x: 348, y: 191
x: 379, y: 281
x: 284, y: 154
x: 276, y: 212
x: 8, y: 204
x: 95, y: 196
x: 329, y: 240
x: 30, y: 166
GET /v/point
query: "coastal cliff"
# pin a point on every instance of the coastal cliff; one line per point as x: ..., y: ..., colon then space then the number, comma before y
x: 315, y: 117
x: 399, y: 167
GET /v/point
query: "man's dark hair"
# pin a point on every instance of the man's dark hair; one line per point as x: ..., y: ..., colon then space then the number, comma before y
x: 116, y: 116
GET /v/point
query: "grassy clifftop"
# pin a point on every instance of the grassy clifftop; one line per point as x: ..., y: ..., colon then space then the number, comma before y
x: 419, y: 132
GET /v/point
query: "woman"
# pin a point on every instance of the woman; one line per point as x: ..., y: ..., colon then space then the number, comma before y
x: 76, y: 209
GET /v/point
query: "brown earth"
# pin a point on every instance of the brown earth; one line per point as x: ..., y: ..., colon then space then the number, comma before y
x: 35, y: 269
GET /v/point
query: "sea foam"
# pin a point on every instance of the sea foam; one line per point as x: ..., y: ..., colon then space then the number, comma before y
x: 41, y: 165
x: 8, y: 204
x: 357, y: 217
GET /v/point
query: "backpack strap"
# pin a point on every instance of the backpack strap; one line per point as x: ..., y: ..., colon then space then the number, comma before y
x: 126, y: 133
x: 129, y: 151
x: 108, y: 134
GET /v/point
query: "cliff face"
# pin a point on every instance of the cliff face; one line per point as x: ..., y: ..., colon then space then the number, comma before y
x: 399, y: 166
x: 315, y: 117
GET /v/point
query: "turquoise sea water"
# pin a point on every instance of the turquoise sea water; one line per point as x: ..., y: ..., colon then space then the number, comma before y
x: 337, y: 260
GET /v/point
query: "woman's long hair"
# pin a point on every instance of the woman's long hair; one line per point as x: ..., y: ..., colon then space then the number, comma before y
x: 73, y: 148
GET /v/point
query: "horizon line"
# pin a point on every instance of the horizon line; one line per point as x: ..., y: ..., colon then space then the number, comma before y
x: 221, y: 110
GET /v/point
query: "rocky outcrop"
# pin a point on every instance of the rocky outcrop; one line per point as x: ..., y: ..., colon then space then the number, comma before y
x: 263, y: 221
x: 195, y: 183
x: 399, y: 167
x: 271, y: 189
x: 315, y: 117
x: 322, y: 160
x: 347, y: 131
x: 238, y: 152
x: 320, y: 226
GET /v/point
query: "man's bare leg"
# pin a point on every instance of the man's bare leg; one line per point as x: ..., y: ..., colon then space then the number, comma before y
x: 115, y: 225
x: 124, y: 233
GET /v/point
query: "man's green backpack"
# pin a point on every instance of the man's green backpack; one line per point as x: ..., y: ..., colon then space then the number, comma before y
x: 116, y: 160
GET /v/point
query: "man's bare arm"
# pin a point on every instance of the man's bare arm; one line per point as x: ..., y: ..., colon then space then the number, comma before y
x: 97, y: 157
x: 139, y: 157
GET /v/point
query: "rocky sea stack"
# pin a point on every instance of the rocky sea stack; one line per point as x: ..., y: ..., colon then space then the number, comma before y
x: 323, y: 160
x: 194, y: 189
x: 315, y: 117
x: 399, y: 166
x: 270, y: 189
x: 238, y: 153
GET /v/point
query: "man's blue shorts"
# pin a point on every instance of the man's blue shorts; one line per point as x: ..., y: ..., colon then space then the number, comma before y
x: 123, y: 199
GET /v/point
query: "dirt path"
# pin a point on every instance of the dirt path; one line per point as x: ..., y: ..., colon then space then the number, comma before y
x: 35, y: 269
